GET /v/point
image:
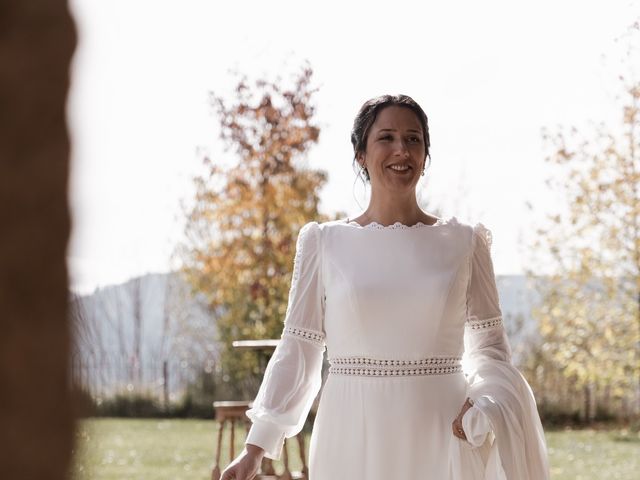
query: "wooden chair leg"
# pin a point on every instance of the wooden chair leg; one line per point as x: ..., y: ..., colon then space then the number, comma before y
x: 303, y: 455
x: 215, y: 473
x: 233, y: 437
x: 267, y: 466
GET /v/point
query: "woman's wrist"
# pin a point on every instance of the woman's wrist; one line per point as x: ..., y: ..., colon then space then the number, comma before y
x: 254, y: 449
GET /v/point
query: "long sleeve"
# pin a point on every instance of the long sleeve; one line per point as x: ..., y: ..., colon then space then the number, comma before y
x: 503, y: 400
x: 292, y: 377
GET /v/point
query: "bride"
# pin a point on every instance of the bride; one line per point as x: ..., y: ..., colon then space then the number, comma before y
x: 405, y: 304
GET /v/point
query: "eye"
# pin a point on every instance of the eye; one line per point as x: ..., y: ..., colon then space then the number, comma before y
x: 386, y: 137
x: 414, y: 139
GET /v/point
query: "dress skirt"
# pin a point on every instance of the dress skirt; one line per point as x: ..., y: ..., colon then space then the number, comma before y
x: 382, y: 428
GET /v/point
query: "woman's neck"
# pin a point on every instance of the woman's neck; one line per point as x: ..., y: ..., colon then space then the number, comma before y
x: 389, y: 212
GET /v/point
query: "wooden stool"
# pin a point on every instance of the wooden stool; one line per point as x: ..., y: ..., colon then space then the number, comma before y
x: 234, y: 411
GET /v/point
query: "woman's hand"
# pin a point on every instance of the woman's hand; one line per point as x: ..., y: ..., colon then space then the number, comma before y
x: 245, y: 466
x: 458, y: 431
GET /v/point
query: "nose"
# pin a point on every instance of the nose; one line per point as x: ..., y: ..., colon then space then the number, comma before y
x: 401, y: 149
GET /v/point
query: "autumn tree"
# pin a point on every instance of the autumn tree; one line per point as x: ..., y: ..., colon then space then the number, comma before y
x: 590, y: 313
x: 242, y: 229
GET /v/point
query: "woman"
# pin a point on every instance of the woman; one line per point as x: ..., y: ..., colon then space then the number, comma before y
x: 396, y: 296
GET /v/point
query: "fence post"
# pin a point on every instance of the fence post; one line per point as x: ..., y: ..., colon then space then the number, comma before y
x: 165, y: 384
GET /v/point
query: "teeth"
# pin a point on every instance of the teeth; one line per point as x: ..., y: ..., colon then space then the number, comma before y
x: 398, y: 167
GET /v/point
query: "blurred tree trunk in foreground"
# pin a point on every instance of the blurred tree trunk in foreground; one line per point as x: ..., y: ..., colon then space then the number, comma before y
x: 38, y: 40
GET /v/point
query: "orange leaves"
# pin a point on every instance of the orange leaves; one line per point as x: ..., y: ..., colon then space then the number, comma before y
x: 242, y: 227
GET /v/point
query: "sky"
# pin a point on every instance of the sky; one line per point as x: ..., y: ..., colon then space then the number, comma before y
x: 490, y: 75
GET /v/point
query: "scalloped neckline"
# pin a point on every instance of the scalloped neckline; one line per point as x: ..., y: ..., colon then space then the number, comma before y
x: 394, y: 226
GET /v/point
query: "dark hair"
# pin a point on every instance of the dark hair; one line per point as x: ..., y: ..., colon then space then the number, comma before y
x: 367, y: 116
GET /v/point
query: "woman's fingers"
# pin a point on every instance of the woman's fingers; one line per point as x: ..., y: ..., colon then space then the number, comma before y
x: 456, y: 426
x: 244, y: 469
x: 458, y: 431
x: 229, y: 474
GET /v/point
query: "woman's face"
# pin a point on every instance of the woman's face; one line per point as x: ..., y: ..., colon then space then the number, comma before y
x: 395, y: 139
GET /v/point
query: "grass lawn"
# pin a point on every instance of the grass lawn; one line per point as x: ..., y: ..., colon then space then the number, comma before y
x: 119, y: 449
x: 122, y: 449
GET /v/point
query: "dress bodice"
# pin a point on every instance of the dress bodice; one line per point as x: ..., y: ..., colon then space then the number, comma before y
x: 396, y: 288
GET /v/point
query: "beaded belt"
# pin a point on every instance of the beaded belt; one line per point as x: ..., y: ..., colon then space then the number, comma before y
x: 385, y: 367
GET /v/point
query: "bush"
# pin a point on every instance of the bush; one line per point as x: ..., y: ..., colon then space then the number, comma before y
x: 138, y: 405
x: 553, y: 416
x: 192, y: 406
x: 84, y: 405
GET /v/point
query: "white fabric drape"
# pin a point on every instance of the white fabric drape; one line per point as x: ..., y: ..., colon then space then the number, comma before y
x: 503, y: 426
x: 292, y: 377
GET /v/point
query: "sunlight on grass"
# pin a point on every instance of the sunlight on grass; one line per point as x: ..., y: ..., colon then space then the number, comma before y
x: 118, y: 449
x: 593, y: 454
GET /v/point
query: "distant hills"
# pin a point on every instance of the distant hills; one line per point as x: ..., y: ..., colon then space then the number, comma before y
x: 126, y: 332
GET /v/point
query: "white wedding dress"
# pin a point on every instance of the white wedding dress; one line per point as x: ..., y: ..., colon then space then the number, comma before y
x: 411, y: 323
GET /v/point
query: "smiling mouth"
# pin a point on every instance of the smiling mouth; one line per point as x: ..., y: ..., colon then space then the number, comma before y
x: 400, y: 168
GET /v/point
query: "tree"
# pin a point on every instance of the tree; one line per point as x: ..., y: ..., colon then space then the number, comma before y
x: 590, y: 316
x: 242, y: 229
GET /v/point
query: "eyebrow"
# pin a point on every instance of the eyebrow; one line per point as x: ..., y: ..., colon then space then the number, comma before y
x: 394, y: 130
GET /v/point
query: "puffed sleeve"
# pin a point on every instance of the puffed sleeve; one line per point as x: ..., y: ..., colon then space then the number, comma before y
x: 292, y: 377
x: 503, y: 402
